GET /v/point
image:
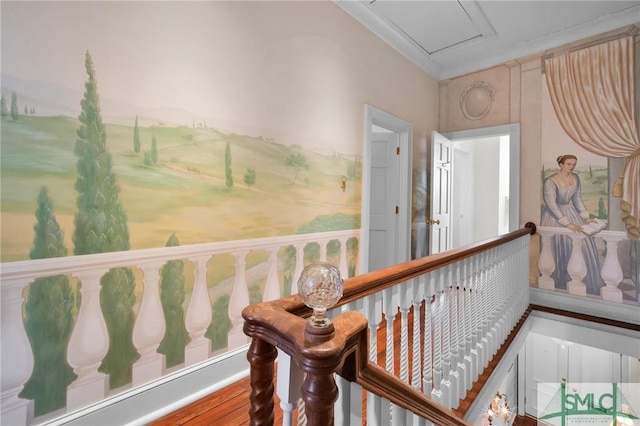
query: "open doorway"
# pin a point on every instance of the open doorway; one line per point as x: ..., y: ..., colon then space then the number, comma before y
x: 476, y: 186
x: 386, y: 190
x: 480, y: 197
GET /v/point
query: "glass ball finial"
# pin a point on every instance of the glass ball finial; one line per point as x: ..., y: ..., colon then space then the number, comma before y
x: 320, y: 287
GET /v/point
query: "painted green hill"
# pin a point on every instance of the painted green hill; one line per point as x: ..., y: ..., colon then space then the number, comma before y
x: 184, y: 192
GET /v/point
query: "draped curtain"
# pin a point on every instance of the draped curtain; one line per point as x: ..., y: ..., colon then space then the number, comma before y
x: 592, y: 91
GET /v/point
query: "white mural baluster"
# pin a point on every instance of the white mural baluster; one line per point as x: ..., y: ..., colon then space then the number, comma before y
x: 149, y: 328
x: 198, y: 316
x: 546, y: 262
x: 272, y: 285
x: 299, y: 267
x: 238, y: 300
x: 323, y: 250
x: 344, y: 264
x: 576, y: 267
x: 88, y: 345
x: 611, y: 271
x: 17, y: 357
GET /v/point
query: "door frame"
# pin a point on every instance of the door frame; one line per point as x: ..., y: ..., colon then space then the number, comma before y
x: 404, y: 130
x: 513, y: 130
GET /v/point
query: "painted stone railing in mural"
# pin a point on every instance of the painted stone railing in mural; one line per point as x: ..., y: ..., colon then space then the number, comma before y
x: 609, y: 265
x: 89, y: 340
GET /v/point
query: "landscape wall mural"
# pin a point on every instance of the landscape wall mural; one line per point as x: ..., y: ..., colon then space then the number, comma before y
x: 130, y: 125
x: 205, y: 139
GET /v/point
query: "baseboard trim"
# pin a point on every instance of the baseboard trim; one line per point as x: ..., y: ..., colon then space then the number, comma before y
x: 580, y: 304
x: 143, y: 404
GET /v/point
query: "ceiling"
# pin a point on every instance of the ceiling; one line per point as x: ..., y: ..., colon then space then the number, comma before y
x: 449, y: 38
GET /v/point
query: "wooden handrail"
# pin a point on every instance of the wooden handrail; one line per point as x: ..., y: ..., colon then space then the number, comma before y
x: 344, y: 347
x: 363, y: 285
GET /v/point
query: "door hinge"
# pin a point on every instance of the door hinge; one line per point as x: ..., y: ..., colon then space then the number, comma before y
x: 397, y: 209
x: 397, y: 150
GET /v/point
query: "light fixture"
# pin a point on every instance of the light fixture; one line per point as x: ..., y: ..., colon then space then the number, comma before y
x: 498, y: 408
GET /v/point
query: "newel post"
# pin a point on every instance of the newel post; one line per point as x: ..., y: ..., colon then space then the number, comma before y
x: 261, y: 356
x: 317, y: 345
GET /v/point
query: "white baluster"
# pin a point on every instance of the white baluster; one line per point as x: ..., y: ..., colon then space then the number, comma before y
x: 576, y: 267
x: 149, y: 328
x: 405, y: 304
x: 288, y: 385
x: 436, y: 393
x: 347, y: 411
x: 484, y: 307
x: 455, y: 375
x: 299, y: 267
x: 466, y: 338
x: 88, y: 345
x: 302, y: 414
x: 272, y: 286
x: 389, y: 308
x: 373, y: 311
x: 416, y: 299
x: 476, y: 302
x: 427, y: 361
x: 238, y: 300
x: 17, y: 358
x: 611, y: 271
x: 546, y: 263
x: 446, y: 385
x: 198, y: 315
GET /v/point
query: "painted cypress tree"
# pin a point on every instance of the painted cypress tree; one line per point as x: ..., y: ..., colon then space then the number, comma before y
x: 4, y: 111
x: 48, y: 319
x: 14, y: 107
x: 136, y: 137
x: 100, y: 227
x: 172, y: 298
x: 154, y: 149
x: 227, y: 167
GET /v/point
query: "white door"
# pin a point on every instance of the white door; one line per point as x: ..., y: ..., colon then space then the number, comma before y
x: 440, y: 213
x: 383, y: 227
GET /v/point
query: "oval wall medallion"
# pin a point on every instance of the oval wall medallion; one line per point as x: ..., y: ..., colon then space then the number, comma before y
x: 476, y: 100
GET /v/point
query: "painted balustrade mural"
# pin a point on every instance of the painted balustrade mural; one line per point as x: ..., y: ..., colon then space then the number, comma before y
x: 155, y: 129
x: 580, y: 253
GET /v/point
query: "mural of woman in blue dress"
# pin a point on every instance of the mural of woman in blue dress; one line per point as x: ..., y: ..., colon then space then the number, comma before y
x: 564, y: 208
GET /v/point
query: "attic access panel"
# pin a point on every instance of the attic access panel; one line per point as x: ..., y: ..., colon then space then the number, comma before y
x: 435, y: 25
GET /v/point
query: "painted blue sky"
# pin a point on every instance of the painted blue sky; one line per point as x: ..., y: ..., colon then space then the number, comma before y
x: 222, y: 63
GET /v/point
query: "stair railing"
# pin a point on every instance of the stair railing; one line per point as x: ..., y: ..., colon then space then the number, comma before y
x: 461, y: 304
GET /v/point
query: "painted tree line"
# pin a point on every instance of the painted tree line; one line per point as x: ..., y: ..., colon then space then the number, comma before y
x: 100, y: 226
x: 13, y: 112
